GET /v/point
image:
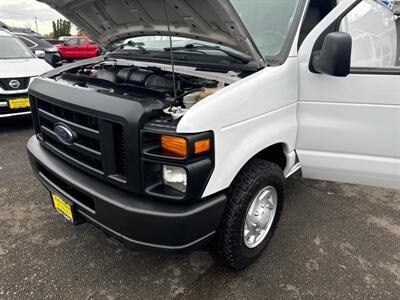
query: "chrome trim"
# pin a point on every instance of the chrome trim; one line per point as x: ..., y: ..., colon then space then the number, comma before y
x: 293, y: 170
x: 15, y: 114
x: 14, y: 92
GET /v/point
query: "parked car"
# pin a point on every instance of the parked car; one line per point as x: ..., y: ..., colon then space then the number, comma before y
x: 18, y: 67
x: 173, y: 147
x: 78, y: 47
x: 50, y: 52
x: 23, y: 30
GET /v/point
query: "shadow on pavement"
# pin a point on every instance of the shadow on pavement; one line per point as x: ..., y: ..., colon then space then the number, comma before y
x: 15, y: 124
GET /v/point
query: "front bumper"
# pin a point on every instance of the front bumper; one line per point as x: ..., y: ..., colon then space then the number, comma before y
x: 14, y: 115
x: 133, y: 219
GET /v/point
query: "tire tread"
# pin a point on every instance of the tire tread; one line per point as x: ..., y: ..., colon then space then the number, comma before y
x: 239, y: 190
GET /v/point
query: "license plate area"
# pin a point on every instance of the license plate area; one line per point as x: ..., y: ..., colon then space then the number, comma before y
x: 66, y: 208
x: 19, y: 103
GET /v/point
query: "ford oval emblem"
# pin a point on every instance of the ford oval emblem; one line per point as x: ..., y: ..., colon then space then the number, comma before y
x: 64, y: 134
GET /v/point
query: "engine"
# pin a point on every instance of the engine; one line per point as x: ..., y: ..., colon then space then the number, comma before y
x: 137, y: 77
x: 133, y: 80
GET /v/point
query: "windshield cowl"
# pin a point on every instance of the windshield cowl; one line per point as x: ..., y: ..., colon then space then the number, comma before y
x: 147, y: 45
x: 217, y: 61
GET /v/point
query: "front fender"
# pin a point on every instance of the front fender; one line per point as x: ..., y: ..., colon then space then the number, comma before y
x: 247, y: 117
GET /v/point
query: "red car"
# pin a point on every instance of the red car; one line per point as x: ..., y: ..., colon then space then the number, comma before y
x: 78, y: 47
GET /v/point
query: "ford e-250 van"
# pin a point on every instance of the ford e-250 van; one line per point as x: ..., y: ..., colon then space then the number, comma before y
x: 185, y: 134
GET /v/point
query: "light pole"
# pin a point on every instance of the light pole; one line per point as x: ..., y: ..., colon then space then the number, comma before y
x: 37, y: 28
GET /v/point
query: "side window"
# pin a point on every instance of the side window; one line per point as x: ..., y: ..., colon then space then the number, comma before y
x: 28, y: 42
x: 81, y: 42
x: 72, y: 42
x: 372, y: 27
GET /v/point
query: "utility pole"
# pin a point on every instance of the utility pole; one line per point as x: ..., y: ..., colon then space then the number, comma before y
x: 37, y: 28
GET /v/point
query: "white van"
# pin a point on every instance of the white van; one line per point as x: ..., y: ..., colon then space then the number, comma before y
x: 18, y: 67
x: 172, y: 143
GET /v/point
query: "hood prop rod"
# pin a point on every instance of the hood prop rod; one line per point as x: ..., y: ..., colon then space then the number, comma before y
x: 172, y: 55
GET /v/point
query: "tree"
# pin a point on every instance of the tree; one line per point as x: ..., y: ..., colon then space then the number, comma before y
x: 80, y: 31
x: 61, y: 28
x: 48, y: 36
x: 3, y: 25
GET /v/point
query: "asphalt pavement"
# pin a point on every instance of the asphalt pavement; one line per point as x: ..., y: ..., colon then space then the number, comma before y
x: 334, y: 241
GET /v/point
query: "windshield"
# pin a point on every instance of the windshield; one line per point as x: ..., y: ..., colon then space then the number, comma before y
x: 10, y: 47
x: 268, y: 21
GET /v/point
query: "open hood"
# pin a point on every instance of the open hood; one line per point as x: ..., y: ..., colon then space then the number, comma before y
x: 106, y: 21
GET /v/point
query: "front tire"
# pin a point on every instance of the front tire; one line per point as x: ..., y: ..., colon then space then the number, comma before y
x: 255, y: 201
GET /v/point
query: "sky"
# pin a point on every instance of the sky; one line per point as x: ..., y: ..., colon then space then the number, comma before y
x: 21, y: 13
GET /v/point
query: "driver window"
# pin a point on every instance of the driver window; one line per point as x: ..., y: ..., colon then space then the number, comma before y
x: 372, y: 26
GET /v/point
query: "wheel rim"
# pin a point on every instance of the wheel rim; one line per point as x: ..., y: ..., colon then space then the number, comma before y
x: 260, y: 216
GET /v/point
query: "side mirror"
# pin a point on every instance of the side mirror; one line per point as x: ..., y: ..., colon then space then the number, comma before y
x: 335, y: 56
x: 40, y: 53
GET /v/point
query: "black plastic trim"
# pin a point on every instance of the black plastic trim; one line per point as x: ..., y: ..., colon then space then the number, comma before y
x: 137, y: 221
x: 198, y: 167
x: 375, y: 71
x: 131, y: 113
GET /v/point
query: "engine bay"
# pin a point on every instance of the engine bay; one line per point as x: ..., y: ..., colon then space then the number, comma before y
x: 133, y: 80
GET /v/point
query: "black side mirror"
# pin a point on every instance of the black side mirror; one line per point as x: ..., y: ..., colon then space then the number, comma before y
x: 335, y: 56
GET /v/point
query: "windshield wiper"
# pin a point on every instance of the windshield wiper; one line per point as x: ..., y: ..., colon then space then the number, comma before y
x: 198, y: 47
x: 135, y: 45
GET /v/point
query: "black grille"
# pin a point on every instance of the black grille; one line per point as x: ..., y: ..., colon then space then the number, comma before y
x: 92, y: 150
x: 23, y: 83
x: 120, y: 150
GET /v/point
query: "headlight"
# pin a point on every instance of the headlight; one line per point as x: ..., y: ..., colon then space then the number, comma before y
x: 175, y: 166
x: 52, y: 49
x: 175, y: 177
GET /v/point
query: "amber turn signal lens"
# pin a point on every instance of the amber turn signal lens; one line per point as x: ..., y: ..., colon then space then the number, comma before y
x: 201, y: 146
x: 173, y: 144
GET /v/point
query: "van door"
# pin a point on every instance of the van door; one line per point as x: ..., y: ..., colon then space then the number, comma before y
x: 349, y: 127
x: 81, y: 49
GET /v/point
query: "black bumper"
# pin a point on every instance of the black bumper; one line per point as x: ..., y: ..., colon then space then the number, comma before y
x: 132, y: 219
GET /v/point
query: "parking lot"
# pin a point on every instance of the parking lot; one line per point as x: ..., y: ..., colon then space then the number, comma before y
x: 335, y: 241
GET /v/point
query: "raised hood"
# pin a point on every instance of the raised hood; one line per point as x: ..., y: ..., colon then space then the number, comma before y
x: 106, y: 21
